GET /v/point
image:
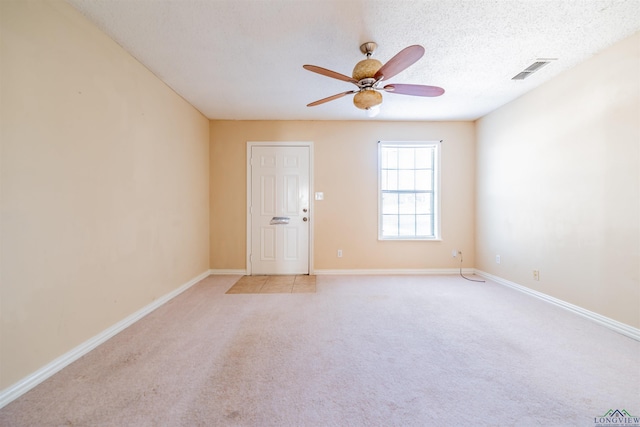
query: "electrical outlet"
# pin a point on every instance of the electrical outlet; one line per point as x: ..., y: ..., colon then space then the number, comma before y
x: 497, y: 259
x: 536, y: 275
x: 339, y: 253
x: 454, y: 253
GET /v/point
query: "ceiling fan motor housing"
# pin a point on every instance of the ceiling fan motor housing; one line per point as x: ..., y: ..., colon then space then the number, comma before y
x: 367, y: 68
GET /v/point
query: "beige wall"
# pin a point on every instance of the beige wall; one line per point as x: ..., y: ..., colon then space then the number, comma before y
x: 345, y: 170
x: 104, y: 175
x: 558, y: 186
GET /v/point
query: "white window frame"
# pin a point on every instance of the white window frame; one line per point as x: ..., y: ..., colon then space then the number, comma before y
x: 436, y: 188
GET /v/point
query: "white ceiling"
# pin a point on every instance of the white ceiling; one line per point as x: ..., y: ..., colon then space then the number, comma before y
x: 242, y: 59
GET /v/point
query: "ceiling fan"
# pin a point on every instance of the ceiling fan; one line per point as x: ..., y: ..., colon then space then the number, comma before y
x: 368, y: 73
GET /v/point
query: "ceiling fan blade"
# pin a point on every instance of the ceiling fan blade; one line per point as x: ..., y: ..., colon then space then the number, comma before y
x: 415, y: 90
x: 331, y: 98
x: 330, y: 73
x: 401, y: 61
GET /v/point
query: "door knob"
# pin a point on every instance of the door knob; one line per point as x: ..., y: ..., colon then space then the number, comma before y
x: 305, y: 219
x: 304, y: 210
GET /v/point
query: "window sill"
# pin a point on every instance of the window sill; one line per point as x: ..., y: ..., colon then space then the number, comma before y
x: 408, y: 239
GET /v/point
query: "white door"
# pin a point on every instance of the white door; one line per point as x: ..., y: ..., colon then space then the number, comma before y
x: 279, y: 210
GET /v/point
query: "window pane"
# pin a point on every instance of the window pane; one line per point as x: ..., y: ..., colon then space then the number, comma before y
x: 389, y: 179
x: 389, y: 225
x: 406, y: 179
x: 384, y: 158
x: 407, y: 203
x: 405, y: 158
x: 407, y: 226
x: 389, y: 158
x: 424, y: 225
x: 424, y: 203
x: 389, y: 203
x: 424, y: 158
x: 424, y: 180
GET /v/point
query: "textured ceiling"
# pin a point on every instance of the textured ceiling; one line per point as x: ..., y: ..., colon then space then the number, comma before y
x: 242, y: 59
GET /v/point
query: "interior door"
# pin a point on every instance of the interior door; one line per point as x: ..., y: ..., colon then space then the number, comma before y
x: 279, y: 210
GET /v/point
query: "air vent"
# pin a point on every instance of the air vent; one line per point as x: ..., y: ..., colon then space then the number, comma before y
x: 539, y: 63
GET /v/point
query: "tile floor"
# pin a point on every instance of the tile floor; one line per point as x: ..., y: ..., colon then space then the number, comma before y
x: 274, y: 285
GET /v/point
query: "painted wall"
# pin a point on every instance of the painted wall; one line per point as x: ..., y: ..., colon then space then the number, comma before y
x: 104, y: 185
x: 558, y: 186
x: 345, y: 170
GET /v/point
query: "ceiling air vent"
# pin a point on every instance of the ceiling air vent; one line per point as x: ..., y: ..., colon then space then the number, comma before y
x: 532, y: 68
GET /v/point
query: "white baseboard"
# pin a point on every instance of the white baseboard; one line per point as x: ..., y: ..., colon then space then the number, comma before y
x: 614, y: 325
x: 18, y: 389
x: 219, y: 272
x: 390, y: 272
x: 373, y: 272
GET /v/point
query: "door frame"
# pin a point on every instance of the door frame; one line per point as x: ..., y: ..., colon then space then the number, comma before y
x: 250, y: 145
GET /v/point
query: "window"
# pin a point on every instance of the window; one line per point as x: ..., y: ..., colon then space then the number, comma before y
x: 408, y: 190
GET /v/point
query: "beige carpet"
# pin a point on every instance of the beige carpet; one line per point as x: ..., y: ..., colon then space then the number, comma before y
x: 274, y: 284
x: 360, y: 351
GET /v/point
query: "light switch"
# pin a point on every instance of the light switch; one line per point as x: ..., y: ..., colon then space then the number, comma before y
x: 319, y: 195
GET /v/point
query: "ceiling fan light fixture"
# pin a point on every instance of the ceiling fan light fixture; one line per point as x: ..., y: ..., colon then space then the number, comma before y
x: 367, y: 98
x: 372, y: 111
x: 367, y: 68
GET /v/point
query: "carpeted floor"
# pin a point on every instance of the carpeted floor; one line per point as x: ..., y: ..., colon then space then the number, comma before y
x: 360, y: 351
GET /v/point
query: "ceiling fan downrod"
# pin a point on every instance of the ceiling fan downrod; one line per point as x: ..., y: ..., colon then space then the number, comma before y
x: 368, y: 48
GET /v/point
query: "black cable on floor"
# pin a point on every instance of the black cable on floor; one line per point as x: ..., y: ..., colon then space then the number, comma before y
x: 462, y: 275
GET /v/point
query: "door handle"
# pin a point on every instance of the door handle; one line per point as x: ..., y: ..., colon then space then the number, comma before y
x: 305, y: 219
